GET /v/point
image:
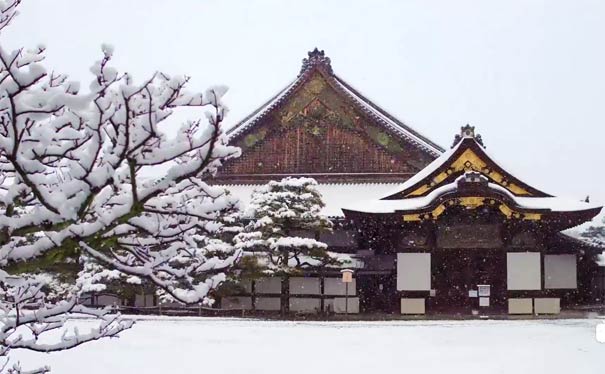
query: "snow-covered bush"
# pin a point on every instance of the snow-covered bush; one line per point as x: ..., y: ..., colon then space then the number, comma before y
x: 280, y: 214
x: 595, y: 234
x: 71, y: 183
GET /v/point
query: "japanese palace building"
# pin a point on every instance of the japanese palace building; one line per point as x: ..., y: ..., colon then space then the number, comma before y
x: 431, y: 230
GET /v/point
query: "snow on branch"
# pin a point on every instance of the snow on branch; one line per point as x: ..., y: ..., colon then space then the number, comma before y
x: 8, y: 11
x: 28, y: 316
x: 75, y: 190
x: 71, y: 174
x: 279, y: 213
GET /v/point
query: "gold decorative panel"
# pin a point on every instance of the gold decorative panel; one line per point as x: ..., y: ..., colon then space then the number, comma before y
x: 470, y: 161
x: 472, y: 202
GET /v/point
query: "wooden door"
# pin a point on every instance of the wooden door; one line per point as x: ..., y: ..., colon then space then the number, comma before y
x: 456, y: 272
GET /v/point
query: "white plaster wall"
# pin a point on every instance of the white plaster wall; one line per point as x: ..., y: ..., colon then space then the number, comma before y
x: 304, y: 305
x: 335, y: 286
x: 413, y: 271
x: 413, y: 306
x: 547, y: 305
x: 268, y: 285
x: 560, y: 271
x: 520, y: 306
x: 523, y: 271
x: 340, y: 304
x: 268, y: 303
x: 304, y: 286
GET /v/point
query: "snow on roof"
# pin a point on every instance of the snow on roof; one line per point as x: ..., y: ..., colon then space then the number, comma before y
x: 554, y: 204
x: 335, y: 195
x: 392, y: 206
x: 444, y: 158
x: 428, y: 170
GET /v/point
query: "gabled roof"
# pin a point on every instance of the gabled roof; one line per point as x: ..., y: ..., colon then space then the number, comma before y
x: 466, y: 176
x: 467, y: 154
x: 317, y: 61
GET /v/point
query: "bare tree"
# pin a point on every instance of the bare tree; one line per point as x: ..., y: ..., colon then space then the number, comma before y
x: 72, y: 182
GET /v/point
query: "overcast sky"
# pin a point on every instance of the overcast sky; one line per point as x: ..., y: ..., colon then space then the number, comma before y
x: 530, y: 75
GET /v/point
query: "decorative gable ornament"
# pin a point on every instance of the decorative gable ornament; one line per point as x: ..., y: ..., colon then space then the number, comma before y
x: 468, y: 131
x: 316, y: 58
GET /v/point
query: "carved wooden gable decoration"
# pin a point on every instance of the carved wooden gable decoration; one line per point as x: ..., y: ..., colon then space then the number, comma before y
x: 320, y: 126
x: 467, y: 155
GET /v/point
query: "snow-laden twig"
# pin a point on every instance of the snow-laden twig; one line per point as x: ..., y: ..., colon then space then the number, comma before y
x: 72, y: 188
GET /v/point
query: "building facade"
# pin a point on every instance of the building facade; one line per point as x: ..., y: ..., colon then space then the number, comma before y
x: 431, y: 230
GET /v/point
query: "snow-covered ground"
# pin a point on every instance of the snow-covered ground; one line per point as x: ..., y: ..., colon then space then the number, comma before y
x: 221, y: 345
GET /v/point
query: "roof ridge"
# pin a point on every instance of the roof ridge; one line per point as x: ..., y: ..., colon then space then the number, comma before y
x: 261, y: 110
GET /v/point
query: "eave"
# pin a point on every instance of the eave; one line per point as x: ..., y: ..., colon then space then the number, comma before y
x: 557, y: 213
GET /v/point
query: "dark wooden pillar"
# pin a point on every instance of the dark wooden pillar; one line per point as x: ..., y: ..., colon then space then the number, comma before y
x: 285, y: 295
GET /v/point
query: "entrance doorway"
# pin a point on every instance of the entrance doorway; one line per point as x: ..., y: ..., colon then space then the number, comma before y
x: 377, y: 293
x: 456, y: 275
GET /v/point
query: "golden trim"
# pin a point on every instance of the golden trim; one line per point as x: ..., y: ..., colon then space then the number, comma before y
x: 508, y: 212
x: 532, y: 216
x: 411, y: 217
x: 472, y: 202
x: 438, y: 211
x: 470, y: 161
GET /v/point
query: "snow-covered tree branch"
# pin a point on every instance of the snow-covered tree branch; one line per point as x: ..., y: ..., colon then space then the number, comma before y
x: 280, y: 214
x: 8, y: 11
x: 94, y: 173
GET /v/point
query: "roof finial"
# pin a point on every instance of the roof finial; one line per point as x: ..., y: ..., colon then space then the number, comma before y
x: 316, y: 58
x: 468, y: 131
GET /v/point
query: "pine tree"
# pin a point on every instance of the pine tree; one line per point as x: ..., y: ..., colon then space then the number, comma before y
x: 595, y: 234
x: 279, y: 213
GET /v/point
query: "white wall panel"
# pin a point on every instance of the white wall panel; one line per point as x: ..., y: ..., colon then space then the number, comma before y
x: 340, y: 305
x: 304, y: 286
x: 268, y: 285
x: 560, y: 271
x: 520, y: 306
x: 335, y: 286
x: 304, y: 305
x: 547, y: 305
x: 413, y: 306
x: 523, y: 271
x: 413, y: 271
x: 267, y: 303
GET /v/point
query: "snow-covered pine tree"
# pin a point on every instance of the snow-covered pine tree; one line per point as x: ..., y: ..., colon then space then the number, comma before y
x: 72, y: 182
x: 280, y: 214
x: 595, y: 234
